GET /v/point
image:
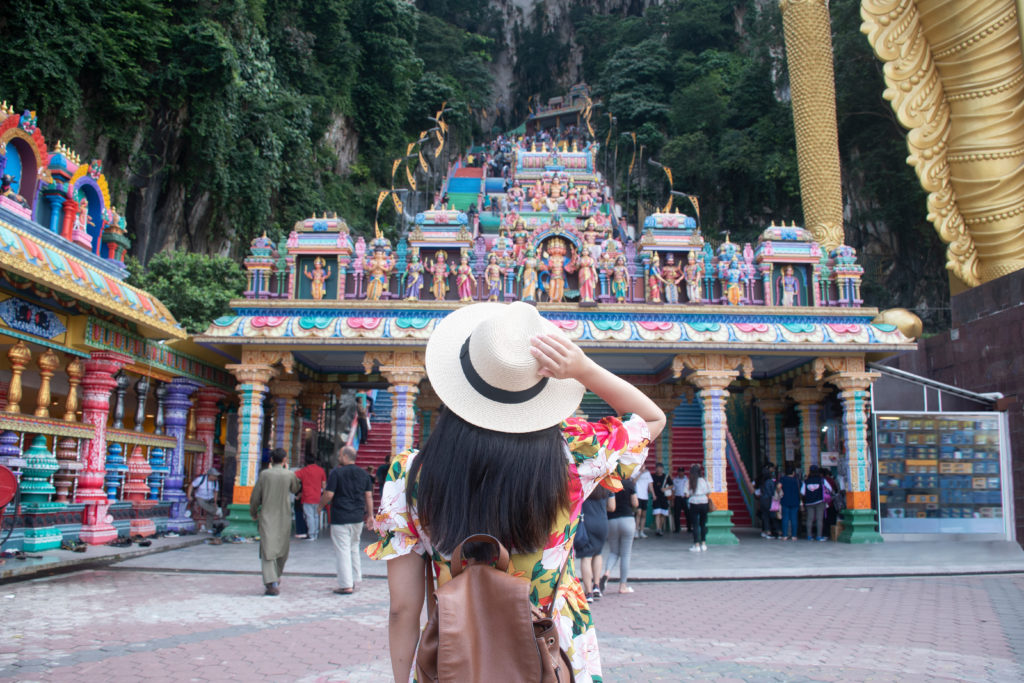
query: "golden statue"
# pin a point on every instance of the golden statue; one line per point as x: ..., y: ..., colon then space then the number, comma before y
x: 318, y: 278
x: 955, y: 77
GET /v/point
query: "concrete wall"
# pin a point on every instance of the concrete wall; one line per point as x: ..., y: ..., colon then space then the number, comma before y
x: 983, y: 352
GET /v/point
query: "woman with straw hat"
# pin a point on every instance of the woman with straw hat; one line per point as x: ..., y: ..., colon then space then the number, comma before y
x: 506, y: 459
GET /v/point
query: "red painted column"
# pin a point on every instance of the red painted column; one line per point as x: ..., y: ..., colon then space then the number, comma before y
x: 206, y: 400
x: 70, y: 209
x: 97, y: 385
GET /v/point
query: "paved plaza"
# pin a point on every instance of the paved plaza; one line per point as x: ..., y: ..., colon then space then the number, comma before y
x: 183, y: 615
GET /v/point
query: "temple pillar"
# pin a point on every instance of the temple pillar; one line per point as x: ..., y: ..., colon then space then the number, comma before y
x: 666, y: 397
x: 860, y: 521
x: 206, y: 412
x: 808, y: 38
x: 251, y: 387
x: 403, y: 370
x: 176, y: 407
x: 773, y: 407
x: 712, y: 374
x: 808, y: 403
x: 97, y: 385
x: 429, y: 405
x: 284, y: 395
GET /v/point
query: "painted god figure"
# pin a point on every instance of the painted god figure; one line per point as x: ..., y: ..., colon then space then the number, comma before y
x: 588, y: 277
x: 556, y: 266
x: 520, y: 238
x: 80, y: 228
x: 464, y: 279
x: 790, y: 287
x: 318, y: 278
x: 734, y: 288
x: 439, y: 271
x: 492, y: 276
x: 693, y: 274
x: 7, y: 190
x: 527, y: 276
x: 654, y: 280
x: 671, y: 276
x: 413, y: 278
x: 378, y: 269
x: 620, y: 280
x: 572, y: 200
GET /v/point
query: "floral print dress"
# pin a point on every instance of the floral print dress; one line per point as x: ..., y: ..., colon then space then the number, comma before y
x: 598, y: 453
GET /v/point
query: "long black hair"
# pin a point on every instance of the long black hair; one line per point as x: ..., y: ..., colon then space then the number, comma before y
x: 469, y: 480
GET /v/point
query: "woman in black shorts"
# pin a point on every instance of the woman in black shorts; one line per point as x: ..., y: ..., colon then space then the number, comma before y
x: 588, y: 551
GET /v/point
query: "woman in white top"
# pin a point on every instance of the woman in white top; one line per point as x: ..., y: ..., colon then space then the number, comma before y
x: 697, y: 490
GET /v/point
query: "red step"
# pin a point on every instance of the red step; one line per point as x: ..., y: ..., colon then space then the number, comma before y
x: 469, y: 172
x: 687, y: 449
x: 375, y: 450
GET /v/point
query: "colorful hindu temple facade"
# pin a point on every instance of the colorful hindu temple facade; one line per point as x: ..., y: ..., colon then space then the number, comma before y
x: 105, y: 409
x: 772, y: 332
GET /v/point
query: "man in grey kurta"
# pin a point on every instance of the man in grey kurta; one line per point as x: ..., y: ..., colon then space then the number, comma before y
x: 271, y: 506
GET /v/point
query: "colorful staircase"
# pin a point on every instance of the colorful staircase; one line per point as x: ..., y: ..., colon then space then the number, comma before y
x: 375, y: 450
x: 688, y: 448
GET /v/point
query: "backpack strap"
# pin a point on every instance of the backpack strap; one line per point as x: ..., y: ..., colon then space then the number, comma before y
x: 431, y: 602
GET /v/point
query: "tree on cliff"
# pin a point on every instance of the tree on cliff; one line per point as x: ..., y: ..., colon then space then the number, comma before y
x: 195, y: 288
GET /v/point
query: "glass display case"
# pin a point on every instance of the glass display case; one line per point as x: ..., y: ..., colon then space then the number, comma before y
x: 940, y: 472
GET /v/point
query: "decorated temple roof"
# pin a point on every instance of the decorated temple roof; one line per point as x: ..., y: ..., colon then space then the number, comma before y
x: 31, y: 258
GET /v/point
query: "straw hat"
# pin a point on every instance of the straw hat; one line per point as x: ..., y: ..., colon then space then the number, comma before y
x: 479, y: 363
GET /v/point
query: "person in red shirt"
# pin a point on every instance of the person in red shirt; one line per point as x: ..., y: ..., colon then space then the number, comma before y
x: 313, y: 480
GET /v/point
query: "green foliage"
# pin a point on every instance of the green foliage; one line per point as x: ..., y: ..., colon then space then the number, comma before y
x: 195, y: 288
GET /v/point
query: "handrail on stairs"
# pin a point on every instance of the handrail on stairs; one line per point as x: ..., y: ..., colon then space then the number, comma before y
x: 732, y: 455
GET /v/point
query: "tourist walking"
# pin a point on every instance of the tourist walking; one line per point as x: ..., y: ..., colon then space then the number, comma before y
x: 506, y: 459
x: 679, y: 513
x: 790, y: 503
x: 349, y: 492
x: 661, y: 488
x: 644, y: 482
x: 621, y: 531
x: 313, y: 479
x: 697, y: 490
x: 590, y: 537
x: 270, y: 505
x: 765, y: 490
x: 814, y: 491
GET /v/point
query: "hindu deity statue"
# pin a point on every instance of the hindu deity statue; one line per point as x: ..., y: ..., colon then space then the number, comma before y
x: 693, y: 273
x: 414, y: 277
x: 671, y: 276
x: 7, y: 190
x: 587, y: 268
x: 654, y: 280
x: 586, y: 201
x: 515, y: 196
x: 537, y: 196
x: 379, y: 270
x: 790, y: 287
x: 464, y: 280
x: 318, y: 278
x: 520, y: 238
x: 556, y: 267
x: 590, y: 234
x: 527, y: 276
x: 620, y: 280
x: 554, y: 197
x: 80, y: 228
x: 734, y: 277
x: 572, y: 198
x: 439, y: 270
x: 492, y: 276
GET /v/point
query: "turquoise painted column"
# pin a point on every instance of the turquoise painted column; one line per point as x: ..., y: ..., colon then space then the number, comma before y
x: 860, y: 520
x: 403, y: 370
x: 252, y: 388
x: 808, y: 400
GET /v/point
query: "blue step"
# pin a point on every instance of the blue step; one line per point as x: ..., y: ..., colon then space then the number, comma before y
x: 381, y: 407
x: 464, y: 185
x: 494, y: 185
x: 688, y: 414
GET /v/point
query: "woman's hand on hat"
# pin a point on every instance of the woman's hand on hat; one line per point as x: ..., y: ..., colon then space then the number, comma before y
x: 558, y: 357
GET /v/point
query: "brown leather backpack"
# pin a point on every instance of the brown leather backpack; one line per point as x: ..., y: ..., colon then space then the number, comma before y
x: 482, y: 627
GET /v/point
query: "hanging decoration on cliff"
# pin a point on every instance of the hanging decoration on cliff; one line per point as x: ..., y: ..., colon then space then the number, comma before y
x: 608, y: 139
x: 668, y: 172
x: 633, y: 158
x: 380, y: 200
x: 411, y: 178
